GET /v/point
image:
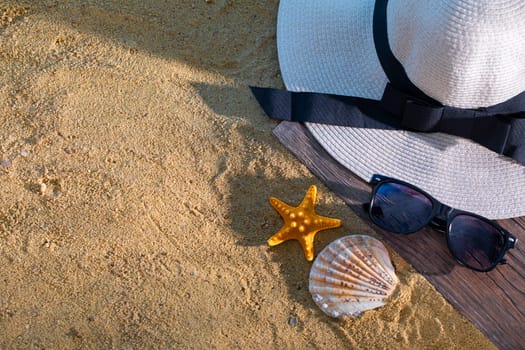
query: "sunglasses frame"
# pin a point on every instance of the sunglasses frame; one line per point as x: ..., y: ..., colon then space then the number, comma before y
x: 441, y: 218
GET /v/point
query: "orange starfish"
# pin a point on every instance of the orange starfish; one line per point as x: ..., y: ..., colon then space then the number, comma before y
x: 301, y: 223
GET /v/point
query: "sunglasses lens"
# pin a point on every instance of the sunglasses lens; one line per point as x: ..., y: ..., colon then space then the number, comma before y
x: 475, y: 242
x: 399, y: 208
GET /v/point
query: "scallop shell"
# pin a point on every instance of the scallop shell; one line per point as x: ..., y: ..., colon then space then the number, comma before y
x: 351, y: 275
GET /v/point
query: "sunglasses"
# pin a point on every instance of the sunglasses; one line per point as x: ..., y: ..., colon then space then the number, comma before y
x: 474, y: 241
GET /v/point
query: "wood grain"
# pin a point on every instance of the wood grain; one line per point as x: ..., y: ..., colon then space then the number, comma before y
x: 493, y: 301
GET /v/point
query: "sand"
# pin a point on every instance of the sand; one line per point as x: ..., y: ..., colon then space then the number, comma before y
x: 135, y: 173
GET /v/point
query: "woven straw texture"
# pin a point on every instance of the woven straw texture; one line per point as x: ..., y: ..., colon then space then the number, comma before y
x: 463, y: 53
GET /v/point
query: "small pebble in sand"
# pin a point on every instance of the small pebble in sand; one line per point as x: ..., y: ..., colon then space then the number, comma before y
x: 292, y: 321
x: 37, y: 140
x: 24, y: 153
x: 6, y: 164
x: 43, y: 188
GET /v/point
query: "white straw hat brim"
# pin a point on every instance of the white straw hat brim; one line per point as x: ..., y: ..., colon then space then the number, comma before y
x: 330, y: 49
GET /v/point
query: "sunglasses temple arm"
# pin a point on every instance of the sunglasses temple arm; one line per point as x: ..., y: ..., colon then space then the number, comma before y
x: 375, y: 179
x: 512, y: 241
x: 510, y: 244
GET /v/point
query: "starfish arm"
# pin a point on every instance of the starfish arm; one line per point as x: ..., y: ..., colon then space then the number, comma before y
x: 279, y: 237
x: 280, y: 206
x: 307, y: 242
x: 325, y: 223
x: 310, y: 198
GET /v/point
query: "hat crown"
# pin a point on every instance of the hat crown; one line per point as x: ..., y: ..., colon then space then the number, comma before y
x: 463, y: 53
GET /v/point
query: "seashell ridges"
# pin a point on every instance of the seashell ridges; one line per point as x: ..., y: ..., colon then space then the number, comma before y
x: 351, y: 275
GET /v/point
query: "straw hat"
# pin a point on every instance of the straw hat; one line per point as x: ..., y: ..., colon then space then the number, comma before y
x: 462, y: 53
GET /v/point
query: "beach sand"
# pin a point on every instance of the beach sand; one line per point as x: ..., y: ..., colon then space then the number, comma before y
x: 135, y: 173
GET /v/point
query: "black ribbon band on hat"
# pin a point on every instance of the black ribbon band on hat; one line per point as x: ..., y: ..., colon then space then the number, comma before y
x: 393, y: 69
x: 501, y: 133
x: 500, y: 128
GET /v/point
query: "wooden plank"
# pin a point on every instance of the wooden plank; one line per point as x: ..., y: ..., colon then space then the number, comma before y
x: 493, y: 301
